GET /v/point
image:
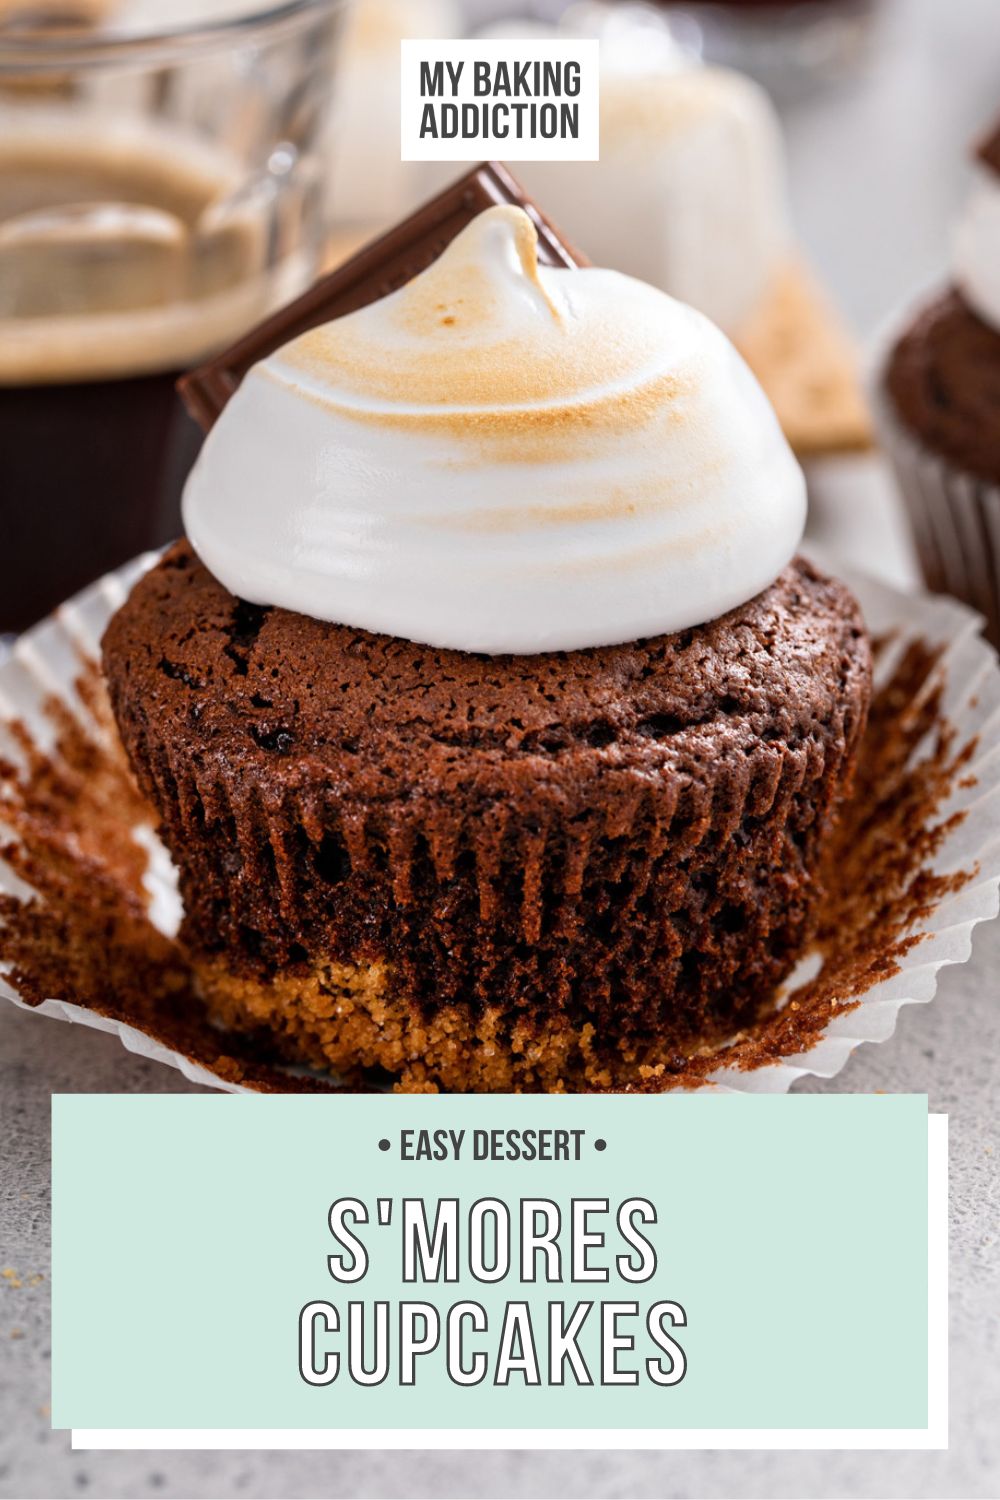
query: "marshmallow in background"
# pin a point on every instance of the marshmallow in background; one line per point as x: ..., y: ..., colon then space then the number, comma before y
x: 689, y: 193
x: 369, y: 185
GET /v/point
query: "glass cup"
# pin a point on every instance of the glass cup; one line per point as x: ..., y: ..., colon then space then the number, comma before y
x: 160, y: 193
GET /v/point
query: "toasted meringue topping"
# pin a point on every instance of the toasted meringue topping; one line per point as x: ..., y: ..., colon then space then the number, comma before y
x: 501, y: 457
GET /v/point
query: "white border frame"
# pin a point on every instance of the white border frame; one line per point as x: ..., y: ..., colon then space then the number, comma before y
x: 933, y: 1436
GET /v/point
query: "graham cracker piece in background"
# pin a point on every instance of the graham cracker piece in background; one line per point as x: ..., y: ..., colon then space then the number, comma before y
x: 803, y: 356
x: 341, y: 243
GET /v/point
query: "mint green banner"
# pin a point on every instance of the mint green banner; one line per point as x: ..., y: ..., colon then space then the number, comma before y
x: 489, y: 1262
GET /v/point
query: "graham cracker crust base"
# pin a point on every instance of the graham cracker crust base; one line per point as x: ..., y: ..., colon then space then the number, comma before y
x: 347, y: 1018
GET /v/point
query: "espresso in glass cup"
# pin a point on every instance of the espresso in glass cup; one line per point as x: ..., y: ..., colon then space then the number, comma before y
x: 160, y: 193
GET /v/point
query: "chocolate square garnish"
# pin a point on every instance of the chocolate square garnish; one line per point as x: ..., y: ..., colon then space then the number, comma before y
x: 377, y: 269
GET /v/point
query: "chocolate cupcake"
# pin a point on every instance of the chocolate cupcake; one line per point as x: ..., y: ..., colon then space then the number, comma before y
x: 493, y: 730
x: 939, y: 411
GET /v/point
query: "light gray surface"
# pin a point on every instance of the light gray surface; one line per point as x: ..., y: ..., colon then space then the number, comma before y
x: 876, y: 176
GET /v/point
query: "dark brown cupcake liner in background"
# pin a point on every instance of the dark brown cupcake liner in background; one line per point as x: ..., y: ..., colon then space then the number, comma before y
x: 954, y: 515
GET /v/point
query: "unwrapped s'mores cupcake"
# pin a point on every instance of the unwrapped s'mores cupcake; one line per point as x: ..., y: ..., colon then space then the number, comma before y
x: 939, y: 409
x: 493, y: 725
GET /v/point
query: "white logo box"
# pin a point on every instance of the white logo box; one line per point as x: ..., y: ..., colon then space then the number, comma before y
x: 530, y: 100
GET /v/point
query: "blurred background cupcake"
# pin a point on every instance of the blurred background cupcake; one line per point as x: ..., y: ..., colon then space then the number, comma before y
x: 939, y: 408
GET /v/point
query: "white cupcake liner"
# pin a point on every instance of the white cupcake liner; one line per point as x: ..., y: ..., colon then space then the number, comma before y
x: 954, y: 515
x: 46, y: 664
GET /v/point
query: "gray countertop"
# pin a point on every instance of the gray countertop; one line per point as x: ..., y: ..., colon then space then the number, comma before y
x: 876, y: 178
